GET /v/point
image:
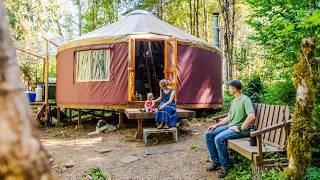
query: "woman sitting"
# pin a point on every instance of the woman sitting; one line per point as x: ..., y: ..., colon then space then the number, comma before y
x: 166, y: 115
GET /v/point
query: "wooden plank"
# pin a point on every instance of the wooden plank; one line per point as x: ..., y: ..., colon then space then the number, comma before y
x: 41, y: 112
x: 263, y: 107
x: 274, y: 121
x: 133, y: 113
x: 258, y: 113
x: 265, y: 118
x: 270, y: 121
x: 242, y: 146
x: 284, y: 133
x: 269, y: 128
x: 279, y: 131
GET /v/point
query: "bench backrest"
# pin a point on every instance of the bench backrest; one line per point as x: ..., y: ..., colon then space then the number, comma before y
x: 268, y: 115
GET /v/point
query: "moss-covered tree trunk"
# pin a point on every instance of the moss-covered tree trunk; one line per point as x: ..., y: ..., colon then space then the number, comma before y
x: 21, y: 154
x: 306, y: 75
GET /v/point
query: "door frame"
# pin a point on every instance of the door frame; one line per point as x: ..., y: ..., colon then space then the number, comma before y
x: 167, y: 70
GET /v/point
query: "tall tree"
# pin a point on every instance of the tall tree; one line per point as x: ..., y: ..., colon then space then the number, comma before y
x: 205, y: 22
x: 228, y: 30
x: 99, y: 13
x: 22, y: 154
x: 197, y: 17
x: 191, y: 17
x: 307, y: 75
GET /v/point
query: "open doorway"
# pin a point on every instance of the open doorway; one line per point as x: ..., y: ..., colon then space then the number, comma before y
x: 149, y: 66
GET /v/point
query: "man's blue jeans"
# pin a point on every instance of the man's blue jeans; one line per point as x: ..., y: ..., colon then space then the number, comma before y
x: 217, y: 144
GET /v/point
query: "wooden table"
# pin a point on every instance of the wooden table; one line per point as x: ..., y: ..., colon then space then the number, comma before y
x: 134, y: 113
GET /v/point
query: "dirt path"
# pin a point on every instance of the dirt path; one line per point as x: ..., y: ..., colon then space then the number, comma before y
x: 187, y: 163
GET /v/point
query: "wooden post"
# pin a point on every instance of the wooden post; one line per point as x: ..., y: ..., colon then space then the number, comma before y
x: 102, y: 113
x: 58, y: 115
x: 79, y: 118
x: 139, y: 133
x: 259, y: 157
x: 120, y: 125
x: 46, y: 76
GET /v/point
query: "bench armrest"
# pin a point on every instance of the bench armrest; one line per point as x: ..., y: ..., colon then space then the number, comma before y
x: 216, y: 118
x: 270, y: 128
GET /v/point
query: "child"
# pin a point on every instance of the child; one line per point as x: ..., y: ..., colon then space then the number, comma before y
x: 149, y: 104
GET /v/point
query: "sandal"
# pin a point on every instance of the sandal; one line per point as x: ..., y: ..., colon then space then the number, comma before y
x: 166, y: 127
x: 160, y: 126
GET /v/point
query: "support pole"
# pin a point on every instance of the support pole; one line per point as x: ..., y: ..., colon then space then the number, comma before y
x: 46, y: 77
x: 79, y: 118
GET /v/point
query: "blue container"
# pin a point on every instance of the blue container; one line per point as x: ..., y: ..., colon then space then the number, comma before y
x: 31, y: 95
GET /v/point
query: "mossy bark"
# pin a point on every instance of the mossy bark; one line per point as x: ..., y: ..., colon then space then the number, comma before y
x: 22, y: 155
x: 306, y: 77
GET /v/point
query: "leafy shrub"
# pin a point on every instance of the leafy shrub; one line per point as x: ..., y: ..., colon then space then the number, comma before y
x: 96, y: 173
x: 281, y: 93
x: 313, y: 173
x: 253, y: 88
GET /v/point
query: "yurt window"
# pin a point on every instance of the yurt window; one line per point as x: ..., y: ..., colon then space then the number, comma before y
x: 93, y: 65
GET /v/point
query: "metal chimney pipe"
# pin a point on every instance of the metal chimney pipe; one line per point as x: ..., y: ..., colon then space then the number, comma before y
x: 216, y: 40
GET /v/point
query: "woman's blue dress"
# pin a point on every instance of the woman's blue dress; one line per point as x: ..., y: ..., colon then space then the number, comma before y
x: 168, y: 114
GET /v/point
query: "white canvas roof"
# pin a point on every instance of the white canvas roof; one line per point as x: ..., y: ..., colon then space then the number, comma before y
x: 138, y: 24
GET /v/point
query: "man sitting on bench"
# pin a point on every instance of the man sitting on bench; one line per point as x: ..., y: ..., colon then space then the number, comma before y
x: 235, y: 125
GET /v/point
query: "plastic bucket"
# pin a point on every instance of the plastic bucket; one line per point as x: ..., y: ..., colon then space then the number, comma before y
x: 31, y: 95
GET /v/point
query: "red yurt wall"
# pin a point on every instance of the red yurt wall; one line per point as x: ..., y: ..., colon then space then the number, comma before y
x: 199, y: 76
x: 99, y: 93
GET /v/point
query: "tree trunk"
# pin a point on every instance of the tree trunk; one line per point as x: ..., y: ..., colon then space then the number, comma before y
x: 190, y: 16
x: 194, y: 17
x: 197, y: 18
x: 306, y: 77
x: 22, y: 155
x: 228, y: 15
x: 205, y: 24
x: 160, y: 9
x: 80, y: 18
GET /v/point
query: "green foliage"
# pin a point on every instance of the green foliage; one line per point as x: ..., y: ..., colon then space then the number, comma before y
x: 242, y: 169
x: 280, y: 26
x: 194, y: 147
x: 274, y: 173
x: 99, y: 13
x: 316, y: 117
x: 280, y: 93
x: 253, y: 88
x: 96, y: 173
x: 227, y: 98
x: 313, y: 173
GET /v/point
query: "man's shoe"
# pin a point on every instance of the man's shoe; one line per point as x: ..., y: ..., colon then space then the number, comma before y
x: 213, y: 166
x: 224, y: 172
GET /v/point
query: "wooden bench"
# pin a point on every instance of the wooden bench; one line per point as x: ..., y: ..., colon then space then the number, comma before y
x: 134, y: 113
x: 272, y: 123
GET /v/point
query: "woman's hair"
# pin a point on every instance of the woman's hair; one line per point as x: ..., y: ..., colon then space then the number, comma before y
x: 149, y: 95
x: 164, y: 83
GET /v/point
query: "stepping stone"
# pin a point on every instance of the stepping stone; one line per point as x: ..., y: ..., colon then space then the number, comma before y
x: 69, y: 164
x: 161, y: 149
x: 104, y: 150
x: 129, y: 159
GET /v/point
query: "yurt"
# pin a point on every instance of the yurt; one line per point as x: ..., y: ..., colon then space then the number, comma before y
x: 114, y: 67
